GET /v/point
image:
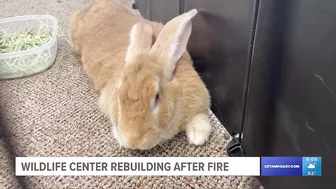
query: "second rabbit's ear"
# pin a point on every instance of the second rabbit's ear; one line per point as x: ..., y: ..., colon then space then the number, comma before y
x: 172, y: 41
x: 140, y: 39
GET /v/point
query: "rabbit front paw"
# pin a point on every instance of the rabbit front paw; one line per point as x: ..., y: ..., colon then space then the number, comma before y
x: 198, y: 129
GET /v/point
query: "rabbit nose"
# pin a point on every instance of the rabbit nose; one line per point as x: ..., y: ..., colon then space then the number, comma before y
x: 133, y: 142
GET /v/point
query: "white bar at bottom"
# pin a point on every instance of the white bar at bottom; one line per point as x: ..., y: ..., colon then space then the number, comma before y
x: 138, y: 166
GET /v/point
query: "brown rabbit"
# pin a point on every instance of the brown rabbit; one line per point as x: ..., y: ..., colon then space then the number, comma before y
x: 148, y: 86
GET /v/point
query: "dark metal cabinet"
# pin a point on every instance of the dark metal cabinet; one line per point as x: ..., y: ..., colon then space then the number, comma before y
x: 291, y: 104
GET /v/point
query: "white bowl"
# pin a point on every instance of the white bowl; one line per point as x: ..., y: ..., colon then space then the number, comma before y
x: 28, y: 62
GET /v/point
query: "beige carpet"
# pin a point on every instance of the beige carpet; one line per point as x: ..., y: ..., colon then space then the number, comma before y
x: 55, y: 114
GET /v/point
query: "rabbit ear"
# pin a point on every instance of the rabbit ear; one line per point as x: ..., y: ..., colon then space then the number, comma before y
x: 141, y: 39
x: 172, y: 41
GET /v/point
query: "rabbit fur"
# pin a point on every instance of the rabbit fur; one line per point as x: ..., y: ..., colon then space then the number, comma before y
x: 148, y: 86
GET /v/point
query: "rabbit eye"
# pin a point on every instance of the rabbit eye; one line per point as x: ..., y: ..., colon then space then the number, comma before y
x: 157, y: 97
x: 134, y: 6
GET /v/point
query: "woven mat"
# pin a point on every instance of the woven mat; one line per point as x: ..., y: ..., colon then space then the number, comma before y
x: 7, y: 175
x: 55, y: 113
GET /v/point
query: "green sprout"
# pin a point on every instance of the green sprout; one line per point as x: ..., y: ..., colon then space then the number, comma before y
x: 24, y: 40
